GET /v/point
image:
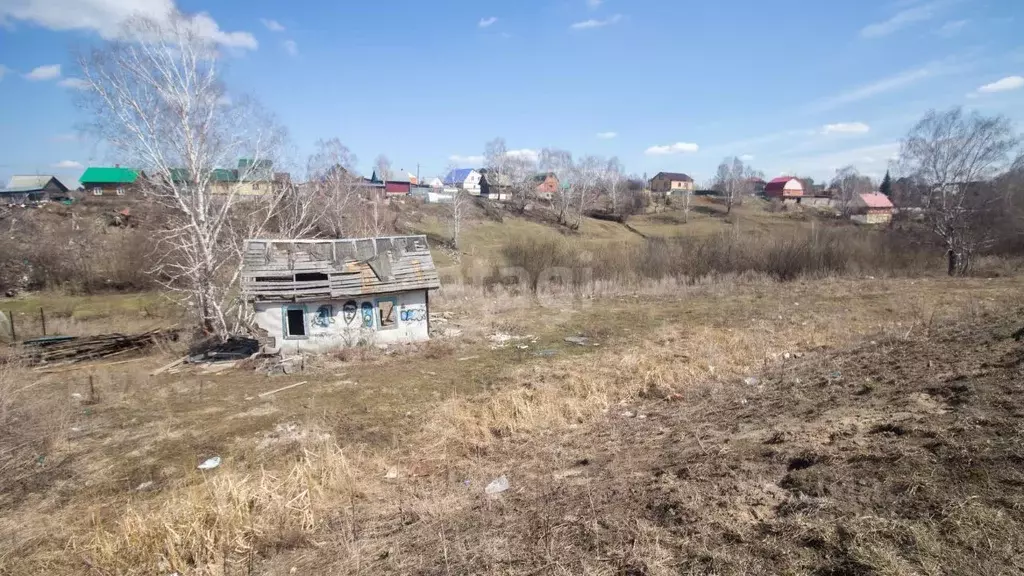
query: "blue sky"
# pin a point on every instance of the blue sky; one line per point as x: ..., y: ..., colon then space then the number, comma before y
x: 795, y: 86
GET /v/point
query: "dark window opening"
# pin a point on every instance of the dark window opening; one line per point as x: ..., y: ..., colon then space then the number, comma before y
x: 274, y: 279
x: 295, y: 320
x: 310, y: 277
x: 386, y: 314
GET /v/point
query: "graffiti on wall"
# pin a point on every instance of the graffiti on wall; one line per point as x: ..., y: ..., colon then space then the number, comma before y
x: 324, y: 316
x: 413, y: 315
x: 348, y: 312
x: 367, y: 312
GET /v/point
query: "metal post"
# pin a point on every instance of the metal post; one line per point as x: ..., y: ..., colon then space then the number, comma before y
x: 14, y: 335
x: 42, y: 319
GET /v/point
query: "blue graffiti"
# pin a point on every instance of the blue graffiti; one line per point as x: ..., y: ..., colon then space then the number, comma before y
x: 324, y: 316
x: 367, y: 310
x: 413, y: 315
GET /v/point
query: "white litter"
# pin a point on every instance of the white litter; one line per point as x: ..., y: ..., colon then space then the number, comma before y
x: 210, y: 463
x: 497, y: 486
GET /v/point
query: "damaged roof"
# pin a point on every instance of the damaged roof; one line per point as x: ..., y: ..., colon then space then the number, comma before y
x: 305, y: 270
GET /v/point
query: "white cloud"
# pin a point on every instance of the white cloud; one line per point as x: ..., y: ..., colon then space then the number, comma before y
x: 677, y: 148
x: 865, y: 158
x: 887, y: 84
x: 607, y: 135
x: 106, y: 16
x: 485, y: 22
x: 594, y: 4
x: 44, y: 72
x: 592, y: 23
x: 747, y: 157
x: 1003, y: 85
x: 67, y: 165
x: 846, y: 128
x: 952, y: 28
x: 76, y: 83
x: 291, y: 47
x: 901, y: 20
x: 524, y: 153
x: 472, y: 160
x: 272, y: 25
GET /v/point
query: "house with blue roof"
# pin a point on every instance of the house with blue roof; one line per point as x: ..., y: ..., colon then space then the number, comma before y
x: 466, y: 179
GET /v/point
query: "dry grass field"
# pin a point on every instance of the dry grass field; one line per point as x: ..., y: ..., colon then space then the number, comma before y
x: 831, y: 426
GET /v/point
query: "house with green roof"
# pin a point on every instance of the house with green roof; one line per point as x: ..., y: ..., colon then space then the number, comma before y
x: 111, y: 181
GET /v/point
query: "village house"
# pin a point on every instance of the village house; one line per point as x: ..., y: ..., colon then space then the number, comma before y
x: 871, y: 208
x: 318, y: 295
x: 34, y: 188
x: 111, y: 181
x: 671, y: 183
x: 466, y: 179
x: 494, y: 186
x: 546, y: 185
x: 784, y: 188
x: 397, y: 182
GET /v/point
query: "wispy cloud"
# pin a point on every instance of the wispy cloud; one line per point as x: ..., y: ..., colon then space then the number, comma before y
x: 668, y: 149
x: 485, y: 22
x: 901, y: 20
x: 952, y: 28
x: 607, y: 135
x: 747, y: 157
x: 44, y: 72
x: 525, y: 154
x: 67, y: 165
x: 76, y: 83
x: 472, y: 160
x: 291, y: 47
x: 869, y: 159
x: 594, y: 23
x: 272, y: 25
x: 3, y: 71
x: 887, y: 84
x: 846, y: 128
x: 594, y: 4
x: 1002, y: 85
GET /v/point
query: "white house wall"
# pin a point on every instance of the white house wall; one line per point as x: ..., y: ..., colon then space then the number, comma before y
x: 331, y: 325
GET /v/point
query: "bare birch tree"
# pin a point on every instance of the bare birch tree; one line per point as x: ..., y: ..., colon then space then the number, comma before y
x: 733, y: 181
x: 382, y: 167
x: 613, y: 181
x: 586, y: 181
x: 955, y: 155
x: 559, y: 163
x: 850, y: 184
x: 156, y: 97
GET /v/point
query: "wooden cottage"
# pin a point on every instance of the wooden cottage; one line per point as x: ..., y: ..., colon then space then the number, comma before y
x: 872, y: 208
x: 316, y: 295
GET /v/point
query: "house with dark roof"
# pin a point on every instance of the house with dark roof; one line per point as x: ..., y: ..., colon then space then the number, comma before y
x: 495, y: 186
x: 395, y: 182
x: 111, y: 181
x: 466, y: 179
x: 33, y: 188
x: 784, y: 188
x: 671, y: 182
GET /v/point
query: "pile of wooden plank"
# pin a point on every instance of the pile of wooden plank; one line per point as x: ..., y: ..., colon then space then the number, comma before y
x: 80, y: 349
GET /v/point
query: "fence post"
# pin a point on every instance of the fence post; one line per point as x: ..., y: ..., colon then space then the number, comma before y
x: 14, y: 335
x: 42, y: 318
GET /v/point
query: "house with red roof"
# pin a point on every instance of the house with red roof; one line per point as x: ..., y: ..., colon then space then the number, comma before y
x: 871, y: 208
x: 784, y: 188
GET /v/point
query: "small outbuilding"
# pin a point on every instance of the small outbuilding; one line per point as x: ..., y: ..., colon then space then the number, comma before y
x: 784, y: 188
x: 871, y: 208
x: 319, y: 295
x: 34, y: 188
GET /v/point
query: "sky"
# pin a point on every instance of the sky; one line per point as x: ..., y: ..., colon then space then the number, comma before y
x: 800, y: 87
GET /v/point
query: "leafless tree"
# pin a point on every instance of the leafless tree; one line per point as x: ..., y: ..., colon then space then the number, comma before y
x: 155, y: 96
x: 382, y: 166
x: 517, y: 170
x: 587, y: 175
x: 850, y: 183
x: 734, y: 181
x: 330, y: 176
x: 955, y: 155
x: 559, y: 163
x: 613, y: 181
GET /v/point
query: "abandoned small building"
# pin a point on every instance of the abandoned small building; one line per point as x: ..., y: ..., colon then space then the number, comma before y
x: 317, y: 295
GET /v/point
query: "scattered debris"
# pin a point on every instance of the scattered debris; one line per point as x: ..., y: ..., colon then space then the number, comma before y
x: 497, y: 486
x: 144, y: 486
x: 282, y: 389
x: 392, y: 473
x: 580, y: 341
x: 70, y: 349
x: 627, y: 414
x: 751, y: 381
x: 77, y: 396
x: 217, y: 367
x: 468, y: 358
x: 451, y: 332
x: 210, y: 463
x: 167, y: 367
x: 547, y: 353
x: 234, y: 348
